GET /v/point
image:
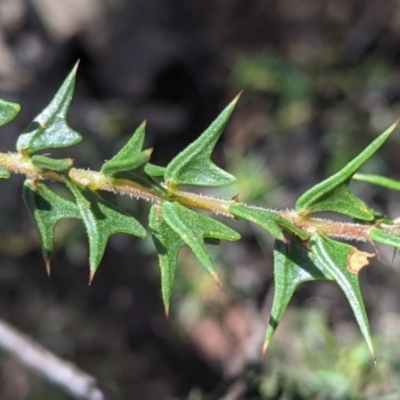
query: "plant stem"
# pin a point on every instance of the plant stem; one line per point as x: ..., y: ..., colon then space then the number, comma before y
x: 21, y: 164
x: 64, y: 374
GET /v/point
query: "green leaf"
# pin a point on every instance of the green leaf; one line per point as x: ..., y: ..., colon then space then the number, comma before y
x: 46, y: 164
x: 49, y: 129
x: 338, y: 260
x: 193, y: 227
x: 101, y: 220
x: 328, y: 259
x: 268, y: 220
x: 193, y: 166
x: 129, y: 157
x: 378, y: 180
x: 292, y: 266
x: 333, y: 194
x: 168, y: 243
x: 384, y: 237
x: 154, y: 170
x: 131, y: 168
x: 130, y: 163
x: 8, y: 111
x: 4, y: 173
x: 46, y: 209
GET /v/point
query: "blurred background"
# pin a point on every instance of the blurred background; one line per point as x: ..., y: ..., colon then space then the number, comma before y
x: 321, y: 79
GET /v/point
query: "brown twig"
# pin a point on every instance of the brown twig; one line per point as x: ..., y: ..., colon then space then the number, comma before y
x: 48, y: 365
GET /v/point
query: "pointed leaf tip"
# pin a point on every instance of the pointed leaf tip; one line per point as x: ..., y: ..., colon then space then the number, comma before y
x: 102, y: 220
x: 129, y: 157
x: 332, y: 257
x: 149, y: 151
x: 132, y: 163
x: 91, y: 276
x: 50, y: 129
x: 192, y: 227
x: 265, y: 348
x: 193, y: 166
x: 326, y: 259
x: 292, y: 267
x: 168, y: 242
x: 46, y: 209
x: 48, y: 270
x: 237, y: 98
x: 217, y: 280
x: 394, y: 125
x: 334, y: 194
x: 168, y: 245
x: 75, y: 68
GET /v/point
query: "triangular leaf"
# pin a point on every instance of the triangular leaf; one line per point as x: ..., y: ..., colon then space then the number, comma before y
x: 340, y: 199
x: 168, y: 243
x: 292, y: 266
x: 193, y: 166
x: 193, y: 227
x: 101, y: 220
x: 50, y: 129
x: 127, y: 158
x: 333, y: 194
x: 47, y: 209
x: 269, y: 220
x: 131, y: 162
x: 8, y: 111
x: 335, y: 259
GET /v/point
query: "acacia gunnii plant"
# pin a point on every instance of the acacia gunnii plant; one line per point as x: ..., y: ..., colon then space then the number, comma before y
x: 307, y: 247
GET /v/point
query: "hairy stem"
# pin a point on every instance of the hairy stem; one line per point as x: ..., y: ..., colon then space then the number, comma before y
x: 21, y: 164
